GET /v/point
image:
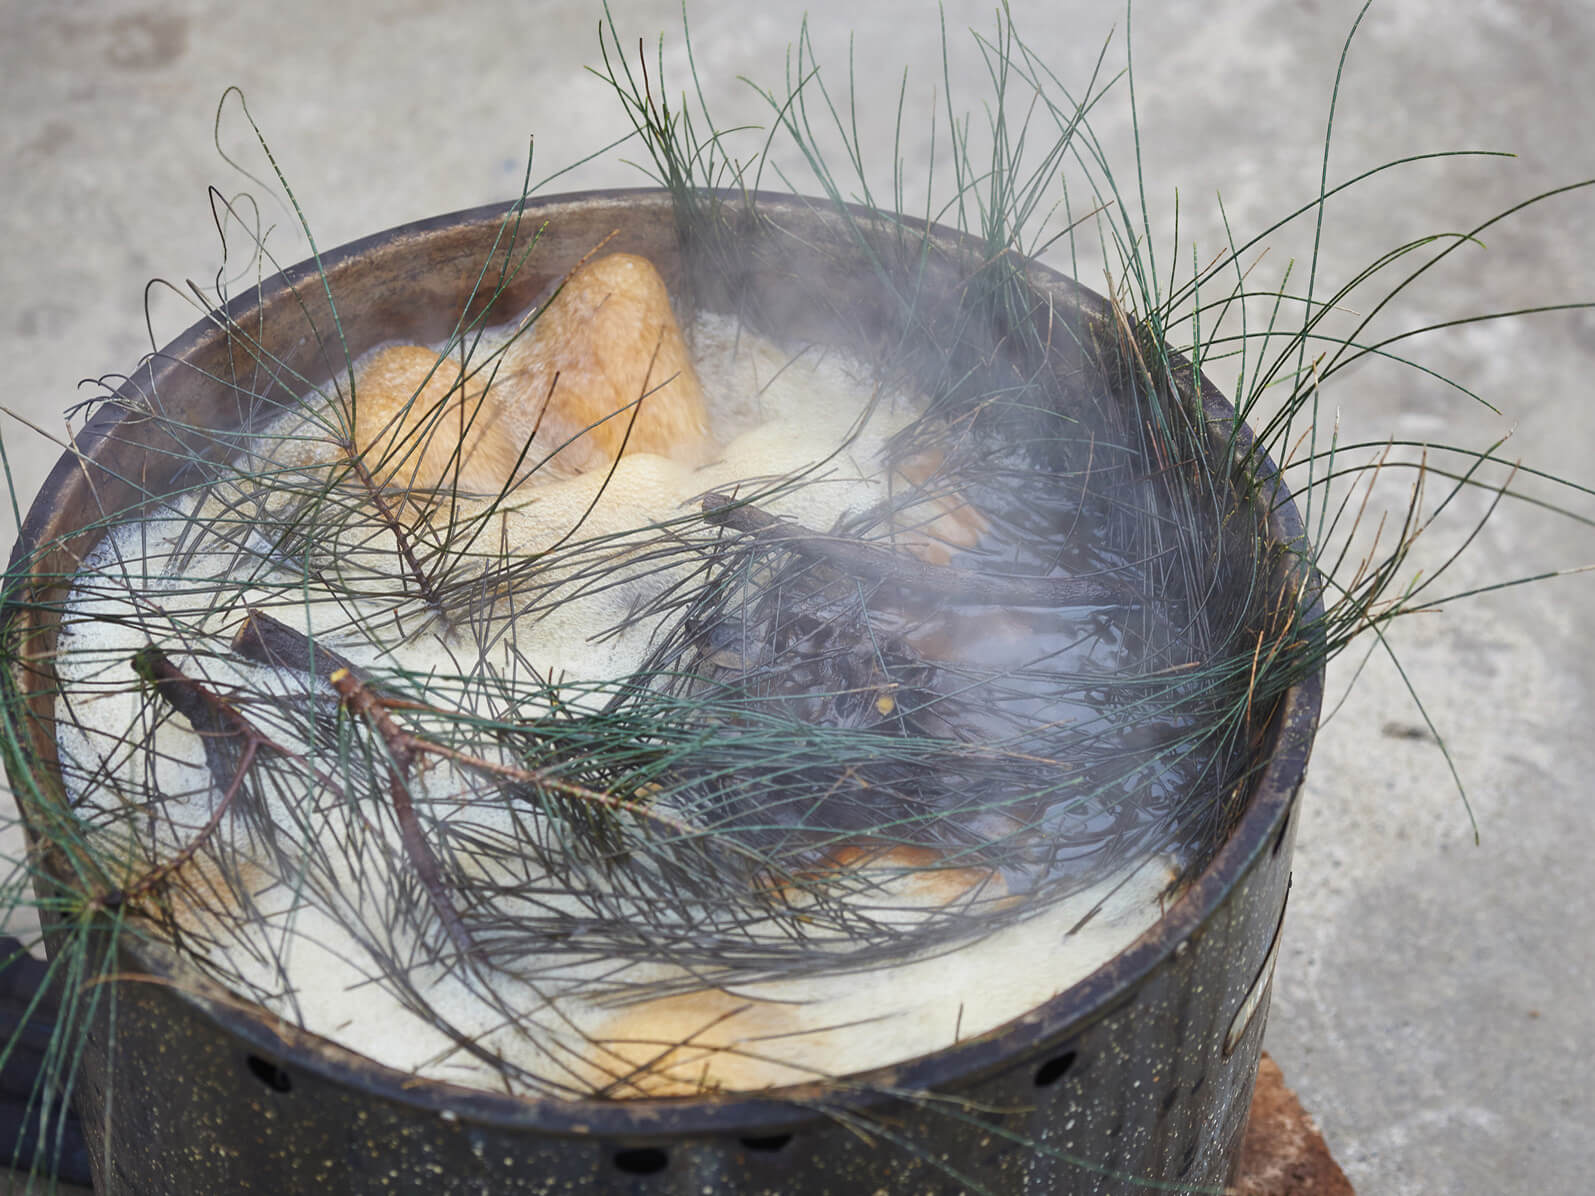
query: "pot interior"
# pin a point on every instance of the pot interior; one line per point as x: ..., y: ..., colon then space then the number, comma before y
x: 796, y: 277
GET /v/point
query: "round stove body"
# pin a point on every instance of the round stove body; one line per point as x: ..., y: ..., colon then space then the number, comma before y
x: 1141, y: 1072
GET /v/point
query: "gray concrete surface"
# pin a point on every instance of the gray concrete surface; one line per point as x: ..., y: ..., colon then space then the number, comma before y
x: 1432, y: 1001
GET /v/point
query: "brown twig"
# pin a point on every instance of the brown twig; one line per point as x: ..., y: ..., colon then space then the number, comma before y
x: 403, y: 748
x: 423, y: 583
x: 264, y: 640
x: 360, y: 701
x: 538, y: 779
x: 211, y: 716
x: 860, y: 558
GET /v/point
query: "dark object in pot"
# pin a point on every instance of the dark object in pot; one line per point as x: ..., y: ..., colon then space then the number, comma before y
x: 1141, y: 1071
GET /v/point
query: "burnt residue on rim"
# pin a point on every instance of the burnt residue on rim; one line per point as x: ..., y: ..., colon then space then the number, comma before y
x: 1122, y: 1075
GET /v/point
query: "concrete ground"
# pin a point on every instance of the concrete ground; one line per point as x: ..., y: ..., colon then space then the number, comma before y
x: 1432, y: 1000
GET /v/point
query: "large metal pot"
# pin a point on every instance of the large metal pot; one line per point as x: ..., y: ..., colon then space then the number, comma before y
x: 1142, y: 1071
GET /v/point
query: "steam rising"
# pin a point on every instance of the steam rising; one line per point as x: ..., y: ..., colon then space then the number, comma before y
x: 713, y: 755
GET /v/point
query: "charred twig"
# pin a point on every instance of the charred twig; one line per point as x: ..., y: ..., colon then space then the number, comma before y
x: 403, y: 749
x: 264, y: 640
x: 536, y: 779
x: 860, y: 558
x: 211, y: 716
x: 360, y: 701
x: 424, y: 583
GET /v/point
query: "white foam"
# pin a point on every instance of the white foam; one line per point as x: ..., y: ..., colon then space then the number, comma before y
x: 818, y: 418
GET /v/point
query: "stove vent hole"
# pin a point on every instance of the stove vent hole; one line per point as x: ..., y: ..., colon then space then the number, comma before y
x: 767, y: 1143
x: 641, y: 1160
x: 1054, y: 1069
x: 269, y: 1074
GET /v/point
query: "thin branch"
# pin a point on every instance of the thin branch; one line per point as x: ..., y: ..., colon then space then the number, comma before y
x: 363, y: 703
x: 211, y: 716
x: 264, y: 640
x: 423, y: 583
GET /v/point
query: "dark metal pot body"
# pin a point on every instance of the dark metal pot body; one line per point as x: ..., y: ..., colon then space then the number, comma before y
x: 1143, y: 1071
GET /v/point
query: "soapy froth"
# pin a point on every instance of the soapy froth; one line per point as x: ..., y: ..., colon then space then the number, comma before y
x: 306, y: 902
